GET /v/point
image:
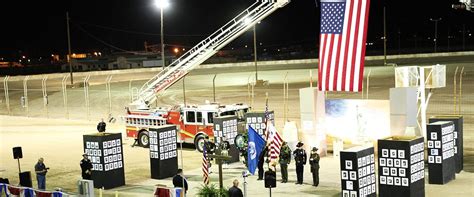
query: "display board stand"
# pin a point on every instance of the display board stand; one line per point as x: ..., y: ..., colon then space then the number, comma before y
x: 105, y: 152
x: 358, y: 172
x: 458, y: 137
x: 441, y: 161
x: 401, y: 166
x: 163, y: 151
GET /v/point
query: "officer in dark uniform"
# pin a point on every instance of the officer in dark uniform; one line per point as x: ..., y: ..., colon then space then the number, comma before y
x: 285, y: 158
x: 300, y: 161
x: 86, y: 167
x: 261, y: 160
x: 314, y: 162
x: 210, y: 149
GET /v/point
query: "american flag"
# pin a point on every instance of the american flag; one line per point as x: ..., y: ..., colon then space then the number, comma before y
x: 342, y: 44
x: 267, y: 117
x: 275, y: 142
x: 205, y: 166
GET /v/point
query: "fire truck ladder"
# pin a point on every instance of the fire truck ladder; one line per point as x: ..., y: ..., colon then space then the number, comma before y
x: 205, y: 49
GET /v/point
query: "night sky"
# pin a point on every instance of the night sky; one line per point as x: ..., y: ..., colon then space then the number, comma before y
x: 38, y: 28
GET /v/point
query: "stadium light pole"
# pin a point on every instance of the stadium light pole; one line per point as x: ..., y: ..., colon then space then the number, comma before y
x: 436, y: 32
x: 162, y: 4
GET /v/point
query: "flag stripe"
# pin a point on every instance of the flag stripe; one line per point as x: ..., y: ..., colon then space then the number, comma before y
x: 205, y: 166
x: 329, y: 53
x: 319, y: 60
x: 336, y: 67
x: 355, y: 20
x: 361, y: 73
x: 326, y: 59
x: 342, y: 44
x: 334, y: 42
x: 347, y: 18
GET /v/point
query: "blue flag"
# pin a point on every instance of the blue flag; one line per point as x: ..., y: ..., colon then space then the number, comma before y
x: 254, y: 149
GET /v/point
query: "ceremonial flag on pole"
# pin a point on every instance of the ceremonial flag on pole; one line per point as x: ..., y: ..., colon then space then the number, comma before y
x: 342, y: 44
x: 205, y: 166
x: 267, y: 117
x: 275, y: 142
x: 255, y: 146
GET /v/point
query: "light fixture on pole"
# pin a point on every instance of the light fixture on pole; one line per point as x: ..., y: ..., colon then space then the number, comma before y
x: 436, y: 32
x: 162, y: 4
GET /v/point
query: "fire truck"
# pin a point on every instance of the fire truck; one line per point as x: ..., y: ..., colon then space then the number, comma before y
x: 195, y: 122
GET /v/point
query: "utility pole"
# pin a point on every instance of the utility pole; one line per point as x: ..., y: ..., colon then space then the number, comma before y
x: 69, y: 47
x: 449, y: 37
x: 255, y: 51
x: 436, y: 32
x: 463, y: 37
x: 162, y: 39
x: 384, y: 38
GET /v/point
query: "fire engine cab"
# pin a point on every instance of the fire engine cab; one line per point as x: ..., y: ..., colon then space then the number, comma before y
x: 195, y: 122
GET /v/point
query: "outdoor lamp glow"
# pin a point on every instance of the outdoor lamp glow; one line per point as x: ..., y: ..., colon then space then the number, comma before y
x: 162, y: 3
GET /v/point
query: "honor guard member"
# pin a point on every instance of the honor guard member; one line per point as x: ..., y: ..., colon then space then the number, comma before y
x: 285, y: 158
x: 86, y: 167
x: 300, y: 160
x: 210, y: 148
x: 314, y: 162
x: 261, y: 160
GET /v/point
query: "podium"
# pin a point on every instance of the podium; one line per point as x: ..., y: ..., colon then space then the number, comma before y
x: 458, y: 137
x: 441, y: 161
x: 163, y: 151
x: 358, y: 172
x: 105, y: 152
x: 401, y: 167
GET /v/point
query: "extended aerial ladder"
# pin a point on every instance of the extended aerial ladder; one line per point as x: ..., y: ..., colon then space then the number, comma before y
x: 204, y: 50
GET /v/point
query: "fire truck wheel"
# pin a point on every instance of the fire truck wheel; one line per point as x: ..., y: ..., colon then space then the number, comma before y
x: 199, y: 143
x: 143, y: 139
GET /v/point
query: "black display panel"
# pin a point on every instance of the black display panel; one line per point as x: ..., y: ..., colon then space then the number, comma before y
x: 401, y: 167
x: 358, y: 172
x: 441, y: 161
x: 163, y: 151
x: 105, y: 152
x: 458, y: 137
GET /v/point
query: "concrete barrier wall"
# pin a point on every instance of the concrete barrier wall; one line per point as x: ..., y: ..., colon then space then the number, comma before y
x: 242, y: 64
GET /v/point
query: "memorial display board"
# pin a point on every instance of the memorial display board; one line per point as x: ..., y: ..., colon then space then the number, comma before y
x: 458, y: 137
x: 358, y: 172
x: 163, y: 151
x: 226, y: 128
x: 401, y: 166
x: 441, y: 161
x: 105, y: 152
x: 257, y: 121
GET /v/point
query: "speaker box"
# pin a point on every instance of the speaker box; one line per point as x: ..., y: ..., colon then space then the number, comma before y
x: 270, y: 179
x: 25, y: 179
x: 17, y: 153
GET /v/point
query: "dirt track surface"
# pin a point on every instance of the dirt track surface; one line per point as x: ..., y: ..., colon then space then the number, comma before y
x: 55, y: 132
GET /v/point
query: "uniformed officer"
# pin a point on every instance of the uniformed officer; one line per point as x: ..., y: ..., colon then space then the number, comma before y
x: 314, y: 162
x: 261, y: 161
x: 210, y: 148
x: 285, y: 158
x: 300, y: 161
x: 86, y: 167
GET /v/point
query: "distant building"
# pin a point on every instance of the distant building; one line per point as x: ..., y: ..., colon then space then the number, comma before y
x: 116, y: 61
